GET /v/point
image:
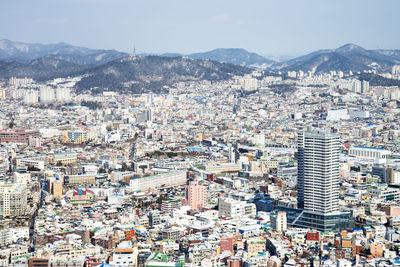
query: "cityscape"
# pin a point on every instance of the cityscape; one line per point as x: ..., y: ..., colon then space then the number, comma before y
x: 224, y: 158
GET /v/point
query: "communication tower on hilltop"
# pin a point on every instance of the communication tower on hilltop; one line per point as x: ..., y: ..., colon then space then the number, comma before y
x: 134, y: 51
x: 133, y: 56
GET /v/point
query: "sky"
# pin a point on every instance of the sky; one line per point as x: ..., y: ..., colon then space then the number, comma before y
x: 279, y: 27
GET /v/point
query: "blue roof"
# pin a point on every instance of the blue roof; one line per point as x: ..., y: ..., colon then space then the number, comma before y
x: 65, y: 153
x: 195, y: 148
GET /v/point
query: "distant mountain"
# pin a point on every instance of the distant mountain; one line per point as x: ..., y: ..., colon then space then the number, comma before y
x: 40, y: 69
x: 377, y: 80
x: 152, y: 73
x: 390, y: 53
x: 349, y: 57
x: 171, y: 55
x: 237, y: 56
x: 110, y: 69
x: 25, y: 52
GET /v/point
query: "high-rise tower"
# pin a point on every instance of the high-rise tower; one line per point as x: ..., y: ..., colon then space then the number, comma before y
x: 318, y: 181
x: 318, y: 171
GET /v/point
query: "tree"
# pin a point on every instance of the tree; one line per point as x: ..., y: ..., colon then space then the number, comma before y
x: 32, y: 168
x: 11, y: 124
x: 124, y: 166
x: 172, y: 154
x: 161, y: 198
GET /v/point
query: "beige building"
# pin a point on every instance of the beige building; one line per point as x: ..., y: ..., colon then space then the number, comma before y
x: 56, y: 188
x: 63, y: 158
x: 79, y: 179
x: 76, y: 137
x: 224, y: 167
x: 254, y: 246
x: 279, y: 221
x: 167, y: 179
x: 12, y: 200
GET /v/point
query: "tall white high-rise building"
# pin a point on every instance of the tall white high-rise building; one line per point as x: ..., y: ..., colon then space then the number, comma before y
x: 356, y: 86
x: 318, y: 182
x: 46, y: 94
x: 63, y: 94
x: 364, y: 87
x: 318, y: 171
x: 148, y: 115
x: 396, y: 70
x: 31, y: 97
x: 250, y: 84
x: 231, y: 154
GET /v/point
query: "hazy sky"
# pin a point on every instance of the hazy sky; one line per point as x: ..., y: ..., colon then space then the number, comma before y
x: 267, y: 27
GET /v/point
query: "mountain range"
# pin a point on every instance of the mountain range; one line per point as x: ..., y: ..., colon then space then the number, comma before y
x: 151, y: 73
x: 238, y: 56
x: 349, y: 57
x: 25, y: 52
x: 117, y: 70
x: 109, y: 69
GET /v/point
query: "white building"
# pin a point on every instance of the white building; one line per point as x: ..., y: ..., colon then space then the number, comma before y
x: 384, y: 193
x: 46, y: 94
x: 168, y: 179
x: 259, y: 139
x: 231, y: 208
x: 90, y: 169
x: 343, y: 263
x: 357, y: 86
x: 369, y: 152
x: 63, y: 94
x: 279, y: 221
x: 35, y: 141
x: 21, y: 178
x: 396, y: 70
x: 20, y: 81
x: 12, y: 200
x: 124, y: 257
x: 26, y: 162
x: 250, y: 84
x: 364, y: 87
x: 337, y: 115
x: 360, y: 114
x: 31, y: 97
x: 318, y: 171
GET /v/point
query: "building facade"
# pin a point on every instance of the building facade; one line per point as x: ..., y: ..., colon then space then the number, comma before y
x: 318, y: 181
x: 196, y: 195
x: 318, y: 171
x: 168, y: 179
x: 17, y: 136
x: 279, y: 221
x: 12, y: 200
